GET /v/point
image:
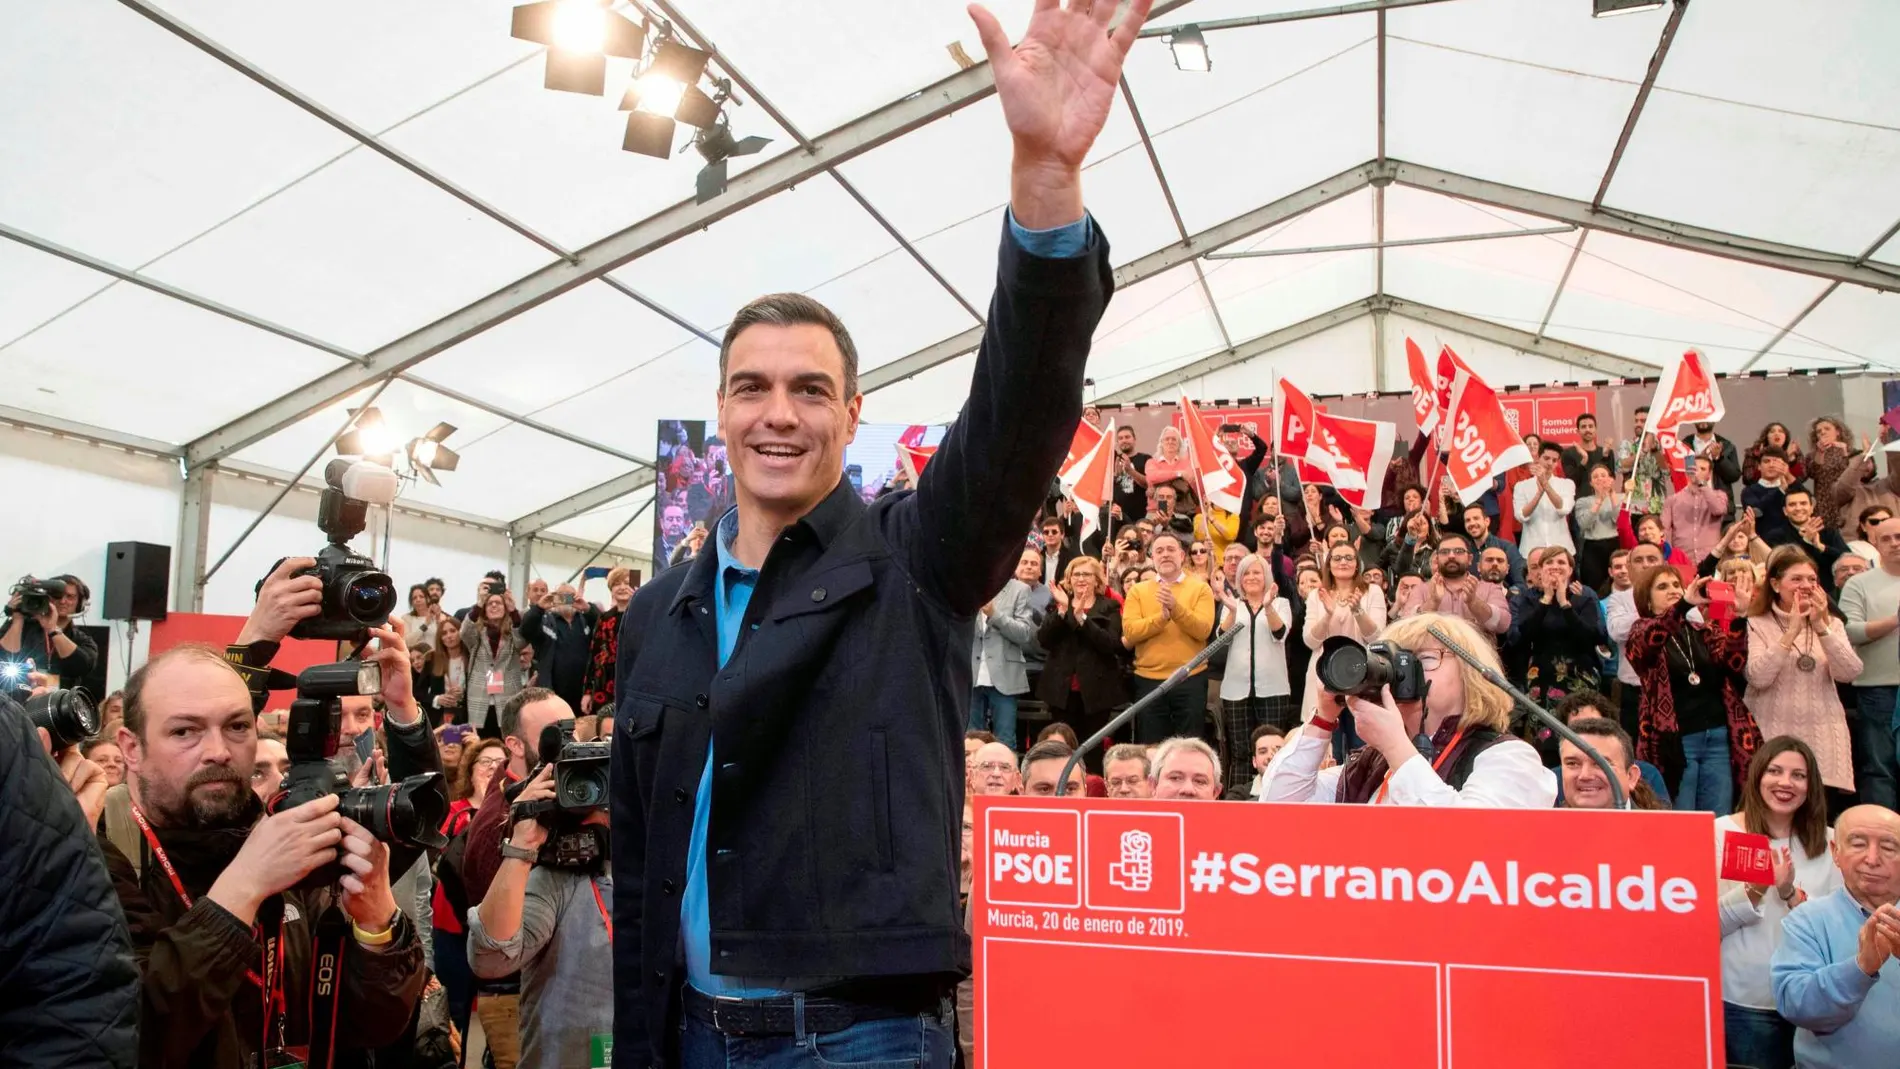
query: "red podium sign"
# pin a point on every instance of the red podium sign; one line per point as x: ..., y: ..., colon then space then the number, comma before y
x: 1196, y: 933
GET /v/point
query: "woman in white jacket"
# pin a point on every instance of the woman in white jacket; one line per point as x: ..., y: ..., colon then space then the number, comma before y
x: 1782, y: 799
x: 1254, y: 689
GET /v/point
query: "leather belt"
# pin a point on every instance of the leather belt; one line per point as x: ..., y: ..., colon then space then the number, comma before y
x: 827, y: 1009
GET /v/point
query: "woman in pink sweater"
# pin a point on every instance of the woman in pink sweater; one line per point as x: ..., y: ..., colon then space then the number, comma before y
x: 1797, y: 651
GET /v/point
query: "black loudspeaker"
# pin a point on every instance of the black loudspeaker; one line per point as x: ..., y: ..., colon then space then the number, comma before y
x: 138, y: 576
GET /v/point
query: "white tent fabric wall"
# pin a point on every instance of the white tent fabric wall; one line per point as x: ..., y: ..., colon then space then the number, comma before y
x: 138, y: 150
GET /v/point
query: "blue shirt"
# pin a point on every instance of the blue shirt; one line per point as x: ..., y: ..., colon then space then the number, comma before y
x: 1846, y: 1019
x: 733, y: 584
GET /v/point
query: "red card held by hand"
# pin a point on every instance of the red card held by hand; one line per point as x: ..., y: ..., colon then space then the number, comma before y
x: 1747, y: 858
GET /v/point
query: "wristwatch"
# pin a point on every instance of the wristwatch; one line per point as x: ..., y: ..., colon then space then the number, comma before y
x: 519, y: 853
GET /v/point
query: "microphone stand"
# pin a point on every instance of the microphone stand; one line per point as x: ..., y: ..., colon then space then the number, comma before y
x: 1179, y: 676
x: 1496, y: 679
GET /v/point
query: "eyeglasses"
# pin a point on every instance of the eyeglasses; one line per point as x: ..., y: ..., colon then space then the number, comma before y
x: 1431, y: 659
x: 491, y: 762
x: 1453, y: 551
x: 994, y: 767
x: 1198, y: 552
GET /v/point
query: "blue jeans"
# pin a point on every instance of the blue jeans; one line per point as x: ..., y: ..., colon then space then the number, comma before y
x: 995, y: 712
x: 1707, y: 780
x: 1758, y: 1039
x: 923, y: 1042
x: 1876, y: 734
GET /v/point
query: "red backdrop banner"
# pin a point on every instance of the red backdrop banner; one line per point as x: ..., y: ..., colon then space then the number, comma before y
x: 1550, y: 414
x: 220, y: 631
x: 1186, y: 933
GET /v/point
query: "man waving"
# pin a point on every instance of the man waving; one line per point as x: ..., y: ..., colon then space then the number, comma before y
x: 786, y: 799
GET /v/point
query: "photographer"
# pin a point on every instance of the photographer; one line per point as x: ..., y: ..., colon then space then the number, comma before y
x: 1452, y: 747
x: 552, y: 924
x: 225, y: 936
x: 560, y: 627
x: 68, y: 984
x: 39, y: 628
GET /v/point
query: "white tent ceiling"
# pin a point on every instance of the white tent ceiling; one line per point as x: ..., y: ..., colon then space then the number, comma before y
x: 226, y: 218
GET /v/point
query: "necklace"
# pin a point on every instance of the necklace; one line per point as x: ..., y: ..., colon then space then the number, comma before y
x: 1806, y: 661
x: 1687, y: 650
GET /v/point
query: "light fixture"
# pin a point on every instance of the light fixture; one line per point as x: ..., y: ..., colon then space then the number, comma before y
x: 658, y: 94
x: 648, y: 135
x: 579, y: 35
x: 1606, y: 8
x: 427, y: 454
x: 716, y: 146
x: 1190, y: 50
x: 369, y: 437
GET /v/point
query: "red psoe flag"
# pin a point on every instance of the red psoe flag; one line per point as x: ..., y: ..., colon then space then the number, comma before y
x: 1215, y: 469
x: 1356, y: 453
x: 1686, y: 393
x: 914, y: 458
x: 1293, y: 414
x: 1425, y: 407
x: 1085, y: 473
x: 1482, y: 444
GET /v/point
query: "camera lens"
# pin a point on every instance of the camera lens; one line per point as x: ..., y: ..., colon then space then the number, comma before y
x: 409, y: 813
x: 584, y: 787
x: 368, y: 597
x: 1346, y: 667
x: 65, y: 714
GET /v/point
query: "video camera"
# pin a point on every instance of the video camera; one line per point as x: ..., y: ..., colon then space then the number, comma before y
x: 409, y: 813
x: 356, y: 595
x: 580, y: 788
x: 1362, y: 671
x: 37, y: 595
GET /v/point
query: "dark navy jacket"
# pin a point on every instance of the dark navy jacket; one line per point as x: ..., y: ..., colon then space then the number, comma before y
x: 836, y: 824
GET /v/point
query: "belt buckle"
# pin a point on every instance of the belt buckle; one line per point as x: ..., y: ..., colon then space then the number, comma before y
x: 719, y: 1024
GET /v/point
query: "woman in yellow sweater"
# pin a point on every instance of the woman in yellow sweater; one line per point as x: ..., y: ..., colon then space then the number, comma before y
x: 1166, y: 622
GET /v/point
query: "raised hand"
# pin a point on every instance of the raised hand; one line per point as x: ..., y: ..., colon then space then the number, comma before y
x: 1057, y: 86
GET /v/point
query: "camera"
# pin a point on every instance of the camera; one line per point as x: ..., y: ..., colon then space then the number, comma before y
x: 1346, y: 667
x: 409, y: 813
x: 68, y: 716
x: 580, y: 787
x: 356, y: 594
x: 37, y: 595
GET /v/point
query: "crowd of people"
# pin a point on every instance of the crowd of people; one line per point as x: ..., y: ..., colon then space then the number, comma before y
x: 1729, y: 646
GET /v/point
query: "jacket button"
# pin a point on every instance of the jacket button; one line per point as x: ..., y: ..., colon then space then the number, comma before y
x: 666, y: 887
x: 659, y: 977
x: 818, y: 594
x: 701, y: 700
x: 679, y: 795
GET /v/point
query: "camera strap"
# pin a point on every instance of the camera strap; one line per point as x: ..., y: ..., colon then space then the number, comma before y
x: 606, y: 918
x: 326, y: 969
x: 1385, y: 785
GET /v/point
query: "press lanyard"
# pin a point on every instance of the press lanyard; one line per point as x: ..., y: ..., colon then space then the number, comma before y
x: 1386, y: 783
x: 605, y: 918
x: 273, y: 965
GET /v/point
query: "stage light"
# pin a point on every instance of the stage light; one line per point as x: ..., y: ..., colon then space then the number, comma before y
x: 716, y: 146
x: 368, y: 437
x: 1190, y: 50
x: 655, y: 94
x: 427, y: 454
x: 579, y: 35
x: 1606, y: 8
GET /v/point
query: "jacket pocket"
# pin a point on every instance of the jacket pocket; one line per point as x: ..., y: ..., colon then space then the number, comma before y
x: 823, y: 591
x: 643, y: 717
x: 881, y: 799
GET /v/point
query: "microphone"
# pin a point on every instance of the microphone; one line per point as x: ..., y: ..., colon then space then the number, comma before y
x: 1496, y: 679
x: 1178, y: 677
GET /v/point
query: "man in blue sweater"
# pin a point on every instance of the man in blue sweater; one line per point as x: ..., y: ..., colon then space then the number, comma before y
x: 1837, y: 971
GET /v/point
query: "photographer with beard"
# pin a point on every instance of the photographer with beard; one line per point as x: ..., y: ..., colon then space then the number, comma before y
x: 48, y: 638
x: 224, y: 935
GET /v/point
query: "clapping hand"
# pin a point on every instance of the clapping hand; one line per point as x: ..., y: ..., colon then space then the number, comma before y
x: 1164, y: 594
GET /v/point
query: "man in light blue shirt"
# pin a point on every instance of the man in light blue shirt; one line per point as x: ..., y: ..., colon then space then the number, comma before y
x: 1837, y: 970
